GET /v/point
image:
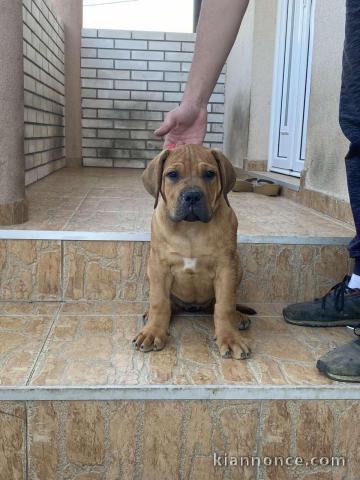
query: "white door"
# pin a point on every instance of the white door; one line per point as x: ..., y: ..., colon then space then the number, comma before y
x: 291, y: 86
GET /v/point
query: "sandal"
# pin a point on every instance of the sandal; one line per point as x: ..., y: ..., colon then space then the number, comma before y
x: 261, y: 186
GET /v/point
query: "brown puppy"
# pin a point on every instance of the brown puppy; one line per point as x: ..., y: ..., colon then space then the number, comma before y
x: 194, y: 263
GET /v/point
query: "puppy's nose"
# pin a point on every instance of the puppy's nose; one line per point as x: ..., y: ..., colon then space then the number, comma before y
x: 192, y: 196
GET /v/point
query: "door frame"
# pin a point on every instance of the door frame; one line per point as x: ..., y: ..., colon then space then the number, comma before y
x: 277, y: 85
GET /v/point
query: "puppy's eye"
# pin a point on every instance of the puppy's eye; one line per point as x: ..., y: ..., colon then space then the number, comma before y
x: 209, y: 174
x: 173, y: 174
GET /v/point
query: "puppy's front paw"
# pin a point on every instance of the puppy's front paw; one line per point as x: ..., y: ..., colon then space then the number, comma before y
x: 231, y: 345
x: 150, y: 338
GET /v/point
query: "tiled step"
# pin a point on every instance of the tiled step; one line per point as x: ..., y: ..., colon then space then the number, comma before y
x: 46, y: 344
x: 81, y: 270
x: 171, y: 440
x: 77, y: 402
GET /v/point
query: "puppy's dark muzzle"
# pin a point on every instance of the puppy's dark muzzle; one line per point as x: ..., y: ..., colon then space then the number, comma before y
x: 191, y: 197
x: 192, y: 206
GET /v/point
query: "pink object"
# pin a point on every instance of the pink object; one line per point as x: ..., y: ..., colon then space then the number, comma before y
x: 171, y: 146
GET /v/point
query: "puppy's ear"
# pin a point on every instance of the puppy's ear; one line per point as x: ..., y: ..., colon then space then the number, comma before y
x: 227, y: 173
x: 152, y: 176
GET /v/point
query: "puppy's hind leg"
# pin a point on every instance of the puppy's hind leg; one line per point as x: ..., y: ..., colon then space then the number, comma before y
x: 244, y: 320
x: 244, y: 309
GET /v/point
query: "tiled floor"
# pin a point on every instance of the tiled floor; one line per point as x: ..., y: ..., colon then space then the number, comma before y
x: 23, y: 331
x: 90, y: 344
x: 100, y: 199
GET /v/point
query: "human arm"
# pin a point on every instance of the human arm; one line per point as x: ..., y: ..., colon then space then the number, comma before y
x: 218, y: 26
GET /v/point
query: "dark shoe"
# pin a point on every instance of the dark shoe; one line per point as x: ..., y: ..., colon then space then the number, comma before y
x: 342, y: 363
x: 339, y: 307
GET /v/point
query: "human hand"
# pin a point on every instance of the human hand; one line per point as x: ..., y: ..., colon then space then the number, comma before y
x: 186, y: 124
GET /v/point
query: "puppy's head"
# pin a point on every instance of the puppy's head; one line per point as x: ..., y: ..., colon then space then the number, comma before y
x: 191, y: 180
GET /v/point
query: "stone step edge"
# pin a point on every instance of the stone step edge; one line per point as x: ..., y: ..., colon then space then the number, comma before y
x: 338, y: 391
x: 145, y: 237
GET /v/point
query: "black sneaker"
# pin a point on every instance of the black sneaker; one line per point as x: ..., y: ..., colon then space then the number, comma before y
x: 339, y: 307
x: 342, y: 363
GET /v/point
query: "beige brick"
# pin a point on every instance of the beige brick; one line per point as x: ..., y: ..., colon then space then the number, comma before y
x: 96, y: 63
x: 138, y: 75
x: 146, y: 55
x: 184, y: 37
x: 108, y: 33
x: 97, y: 43
x: 114, y: 54
x: 114, y: 94
x: 131, y: 44
x: 165, y: 66
x: 173, y: 46
x: 89, y: 32
x: 114, y: 74
x: 148, y: 35
x: 130, y: 65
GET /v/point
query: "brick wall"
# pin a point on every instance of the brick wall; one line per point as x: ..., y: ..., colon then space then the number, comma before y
x: 44, y: 89
x: 129, y: 81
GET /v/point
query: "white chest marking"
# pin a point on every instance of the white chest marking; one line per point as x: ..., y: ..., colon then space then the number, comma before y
x: 189, y: 263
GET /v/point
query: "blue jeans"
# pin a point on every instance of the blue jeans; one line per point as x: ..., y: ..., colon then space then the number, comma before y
x: 349, y: 114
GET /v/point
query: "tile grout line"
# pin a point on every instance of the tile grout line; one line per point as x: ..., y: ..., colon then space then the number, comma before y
x: 258, y: 436
x: 27, y: 450
x: 62, y: 287
x: 35, y: 364
x: 76, y: 209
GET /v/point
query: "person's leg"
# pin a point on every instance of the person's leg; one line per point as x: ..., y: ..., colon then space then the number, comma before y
x: 349, y: 117
x: 343, y: 363
x: 353, y: 179
x: 341, y: 306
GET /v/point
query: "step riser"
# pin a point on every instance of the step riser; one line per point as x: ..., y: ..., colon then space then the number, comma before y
x: 54, y: 270
x: 175, y: 439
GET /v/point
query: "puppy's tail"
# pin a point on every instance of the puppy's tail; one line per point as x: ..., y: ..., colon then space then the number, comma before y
x: 245, y: 309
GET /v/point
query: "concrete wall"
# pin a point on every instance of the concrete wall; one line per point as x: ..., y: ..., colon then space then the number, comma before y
x: 13, y: 206
x: 249, y: 85
x: 71, y: 13
x: 129, y: 81
x: 44, y: 97
x: 326, y: 145
x: 262, y: 78
x: 238, y: 92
